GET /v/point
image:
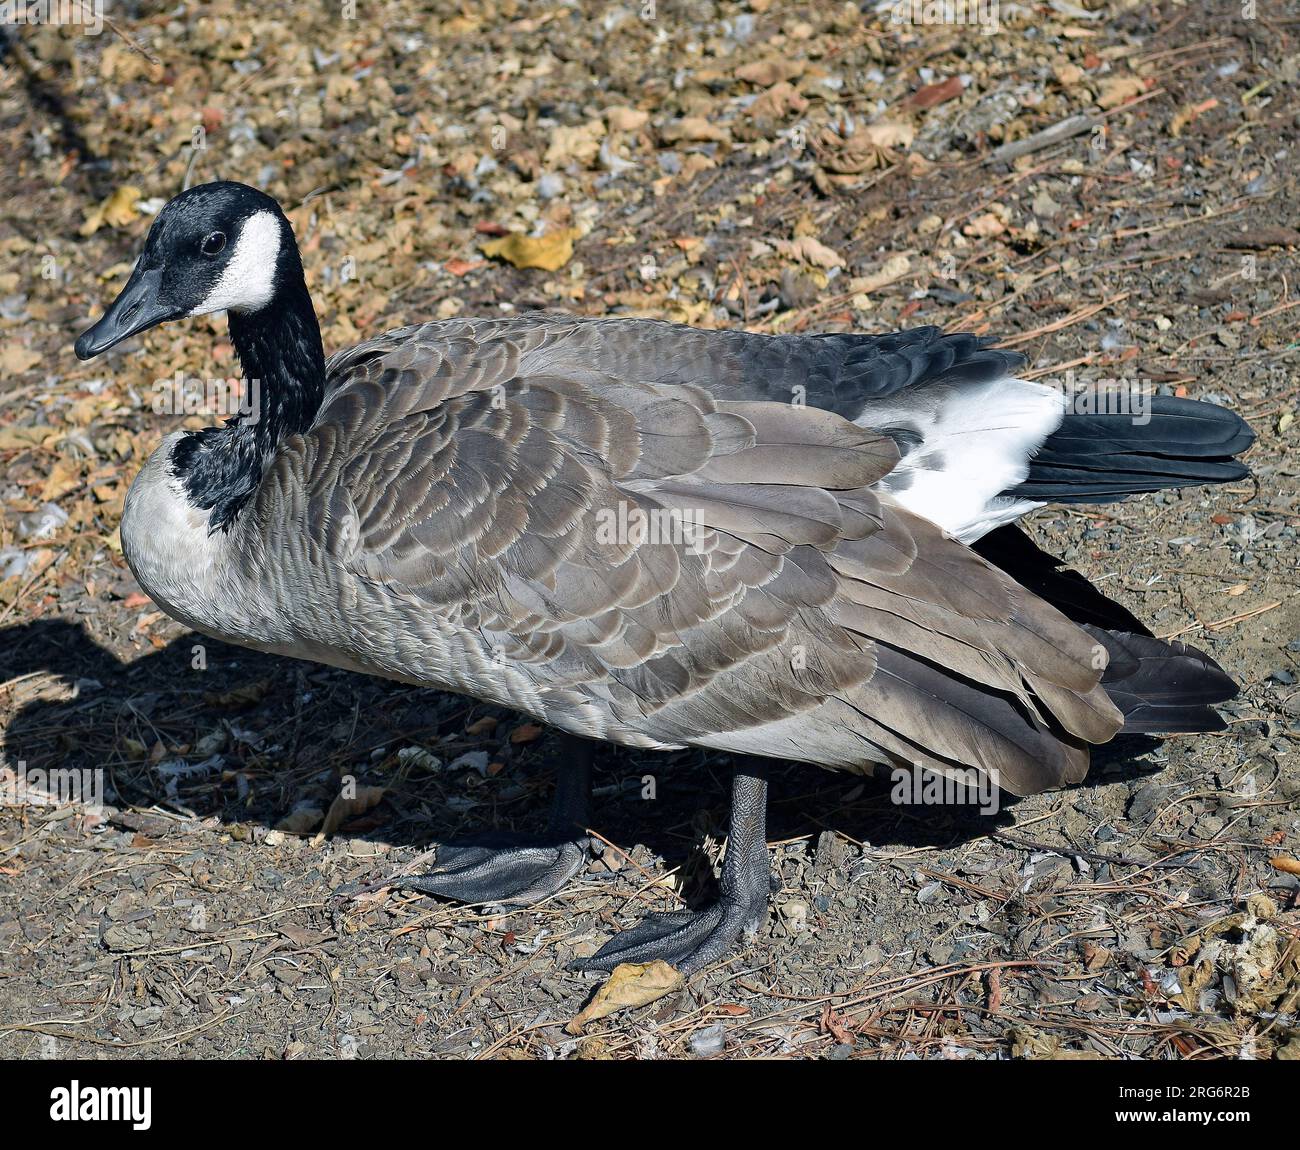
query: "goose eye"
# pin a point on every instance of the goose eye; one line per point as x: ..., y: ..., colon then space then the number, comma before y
x: 213, y: 243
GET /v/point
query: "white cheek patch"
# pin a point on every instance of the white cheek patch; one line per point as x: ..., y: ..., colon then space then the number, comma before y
x: 248, y: 280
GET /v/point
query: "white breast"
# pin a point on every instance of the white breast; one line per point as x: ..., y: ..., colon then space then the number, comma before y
x: 186, y: 571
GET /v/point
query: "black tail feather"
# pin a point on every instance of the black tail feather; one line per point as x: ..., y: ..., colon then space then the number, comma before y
x: 1160, y: 686
x: 1047, y: 577
x: 1099, y: 458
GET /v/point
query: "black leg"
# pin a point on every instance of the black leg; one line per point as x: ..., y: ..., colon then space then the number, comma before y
x: 507, y: 868
x: 690, y: 941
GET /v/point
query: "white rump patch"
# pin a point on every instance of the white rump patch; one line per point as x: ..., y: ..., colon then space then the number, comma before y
x: 976, y: 441
x: 247, y: 282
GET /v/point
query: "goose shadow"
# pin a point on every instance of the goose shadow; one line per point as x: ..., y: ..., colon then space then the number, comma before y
x: 207, y: 729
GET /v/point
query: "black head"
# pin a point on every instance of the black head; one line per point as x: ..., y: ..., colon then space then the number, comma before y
x: 216, y: 247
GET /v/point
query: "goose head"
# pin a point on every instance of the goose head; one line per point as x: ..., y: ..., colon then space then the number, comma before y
x: 216, y: 247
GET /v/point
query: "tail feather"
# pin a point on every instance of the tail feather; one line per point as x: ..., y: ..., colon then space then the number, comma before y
x: 1100, y: 458
x: 1160, y: 686
x: 1047, y: 577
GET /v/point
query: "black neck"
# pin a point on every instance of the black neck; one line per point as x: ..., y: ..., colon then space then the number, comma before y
x: 279, y: 349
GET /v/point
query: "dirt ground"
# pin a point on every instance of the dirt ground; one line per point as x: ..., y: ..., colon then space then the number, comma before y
x: 777, y: 167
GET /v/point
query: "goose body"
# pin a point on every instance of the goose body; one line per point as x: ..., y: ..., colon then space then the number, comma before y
x: 463, y: 505
x: 484, y: 569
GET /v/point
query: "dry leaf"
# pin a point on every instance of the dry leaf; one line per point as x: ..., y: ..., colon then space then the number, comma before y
x: 888, y: 134
x: 931, y: 95
x: 631, y: 984
x: 624, y: 119
x: 12, y: 438
x: 117, y: 211
x: 240, y: 696
x: 891, y: 270
x: 693, y: 129
x: 811, y: 251
x: 527, y: 733
x: 580, y: 144
x: 1285, y: 865
x: 15, y: 358
x: 62, y: 478
x: 1117, y: 90
x: 765, y: 73
x: 344, y: 808
x: 300, y: 820
x: 981, y: 227
x: 1068, y: 75
x: 549, y: 252
x: 1188, y: 113
x: 779, y: 101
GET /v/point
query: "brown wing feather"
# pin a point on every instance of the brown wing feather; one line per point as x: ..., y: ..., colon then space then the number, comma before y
x: 477, y: 475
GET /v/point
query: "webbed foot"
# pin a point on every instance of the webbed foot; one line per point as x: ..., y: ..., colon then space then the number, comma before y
x: 690, y: 940
x: 500, y: 868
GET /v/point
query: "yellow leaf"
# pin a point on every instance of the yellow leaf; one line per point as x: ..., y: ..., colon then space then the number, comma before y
x: 62, y: 479
x: 549, y: 252
x: 12, y: 438
x: 631, y: 984
x: 15, y: 358
x: 117, y: 211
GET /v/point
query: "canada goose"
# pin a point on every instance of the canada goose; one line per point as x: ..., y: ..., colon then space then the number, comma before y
x: 456, y: 504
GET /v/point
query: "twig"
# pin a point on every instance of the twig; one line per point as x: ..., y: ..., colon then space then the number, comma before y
x: 1073, y: 852
x: 1227, y: 621
x: 1065, y: 129
x: 1067, y: 321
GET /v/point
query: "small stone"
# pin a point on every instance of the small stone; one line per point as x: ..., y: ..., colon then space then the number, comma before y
x: 795, y: 915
